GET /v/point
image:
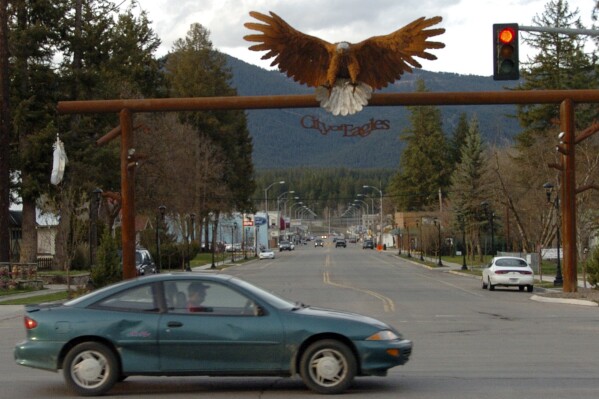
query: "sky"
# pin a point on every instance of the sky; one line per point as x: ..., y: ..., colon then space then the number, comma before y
x: 468, y: 24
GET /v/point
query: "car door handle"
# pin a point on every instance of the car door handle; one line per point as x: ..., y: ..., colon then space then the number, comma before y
x: 174, y: 324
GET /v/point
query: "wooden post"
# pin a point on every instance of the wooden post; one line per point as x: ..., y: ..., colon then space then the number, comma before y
x: 568, y: 197
x: 127, y: 196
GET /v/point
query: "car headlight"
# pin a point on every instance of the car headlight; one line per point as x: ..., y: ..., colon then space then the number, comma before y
x: 385, y: 335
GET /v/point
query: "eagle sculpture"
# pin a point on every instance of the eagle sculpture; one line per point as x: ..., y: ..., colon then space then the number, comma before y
x: 344, y: 74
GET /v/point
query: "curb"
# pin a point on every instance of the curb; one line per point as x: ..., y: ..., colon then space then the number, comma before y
x: 581, y: 302
x: 537, y: 298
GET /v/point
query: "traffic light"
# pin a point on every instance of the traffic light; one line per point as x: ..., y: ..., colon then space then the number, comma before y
x: 505, y: 52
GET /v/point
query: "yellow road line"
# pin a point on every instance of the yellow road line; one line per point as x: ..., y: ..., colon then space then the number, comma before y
x: 388, y: 304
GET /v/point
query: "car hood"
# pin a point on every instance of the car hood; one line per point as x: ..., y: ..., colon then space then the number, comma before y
x: 341, y: 315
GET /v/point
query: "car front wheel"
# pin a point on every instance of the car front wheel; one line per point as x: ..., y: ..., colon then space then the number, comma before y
x: 90, y: 369
x: 328, y: 367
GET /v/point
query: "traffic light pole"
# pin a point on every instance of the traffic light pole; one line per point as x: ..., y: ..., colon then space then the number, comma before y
x: 588, y: 32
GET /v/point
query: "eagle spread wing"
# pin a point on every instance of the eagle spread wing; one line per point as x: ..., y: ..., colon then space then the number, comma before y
x: 302, y: 57
x: 370, y: 64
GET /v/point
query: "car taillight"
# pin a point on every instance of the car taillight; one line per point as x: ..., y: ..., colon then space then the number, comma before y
x: 30, y: 324
x: 525, y: 272
x: 501, y: 272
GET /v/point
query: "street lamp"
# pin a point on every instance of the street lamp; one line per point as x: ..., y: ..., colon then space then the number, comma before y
x: 405, y: 225
x: 490, y: 216
x: 187, y: 241
x: 233, y: 232
x: 462, y: 223
x: 419, y: 225
x: 381, y: 193
x: 212, y: 240
x: 438, y: 224
x: 266, y: 200
x: 192, y: 217
x: 159, y: 221
x: 94, y: 206
x: 559, y: 281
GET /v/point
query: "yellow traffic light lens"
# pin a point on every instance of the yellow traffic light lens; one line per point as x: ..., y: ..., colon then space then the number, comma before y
x: 506, y: 35
x: 506, y: 52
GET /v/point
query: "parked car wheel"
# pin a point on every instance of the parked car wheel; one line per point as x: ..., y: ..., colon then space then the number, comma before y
x: 484, y: 285
x: 491, y: 286
x: 328, y: 367
x: 90, y: 369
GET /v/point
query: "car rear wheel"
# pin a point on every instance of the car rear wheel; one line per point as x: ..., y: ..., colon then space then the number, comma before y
x: 529, y: 288
x: 90, y: 369
x: 328, y: 367
x: 484, y: 285
x: 491, y: 286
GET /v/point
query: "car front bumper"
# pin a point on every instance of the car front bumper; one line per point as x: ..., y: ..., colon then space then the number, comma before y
x: 379, y: 356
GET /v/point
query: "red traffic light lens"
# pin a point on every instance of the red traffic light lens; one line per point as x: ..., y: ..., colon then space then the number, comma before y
x: 507, y: 35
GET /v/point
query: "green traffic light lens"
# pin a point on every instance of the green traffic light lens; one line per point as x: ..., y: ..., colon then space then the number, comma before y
x: 506, y: 66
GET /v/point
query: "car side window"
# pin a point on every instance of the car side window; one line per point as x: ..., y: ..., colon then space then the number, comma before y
x: 218, y: 299
x: 136, y: 299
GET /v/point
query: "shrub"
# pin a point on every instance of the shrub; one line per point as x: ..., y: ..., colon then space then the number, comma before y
x: 108, y: 269
x: 592, y: 266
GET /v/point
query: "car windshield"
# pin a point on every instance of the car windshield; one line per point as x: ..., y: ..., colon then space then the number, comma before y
x: 511, y: 262
x: 274, y: 300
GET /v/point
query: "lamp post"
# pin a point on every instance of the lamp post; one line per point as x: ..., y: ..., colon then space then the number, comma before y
x: 559, y: 281
x: 281, y: 196
x: 159, y: 222
x: 189, y: 240
x: 233, y: 231
x: 491, y: 216
x: 462, y: 223
x: 212, y: 238
x: 438, y: 224
x: 405, y: 225
x: 381, y: 226
x: 419, y: 225
x: 192, y: 217
x: 266, y: 200
x: 94, y: 206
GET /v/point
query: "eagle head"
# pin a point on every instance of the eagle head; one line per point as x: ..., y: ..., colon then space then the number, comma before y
x: 342, y: 47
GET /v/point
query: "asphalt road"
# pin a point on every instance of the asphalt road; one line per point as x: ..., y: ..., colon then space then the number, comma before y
x: 468, y: 342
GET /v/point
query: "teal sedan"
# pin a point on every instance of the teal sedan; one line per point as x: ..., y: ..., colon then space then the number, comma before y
x: 203, y: 324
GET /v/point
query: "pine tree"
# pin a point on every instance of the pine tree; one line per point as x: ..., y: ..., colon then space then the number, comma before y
x: 458, y: 139
x: 195, y: 69
x: 561, y: 63
x: 469, y: 184
x: 424, y: 163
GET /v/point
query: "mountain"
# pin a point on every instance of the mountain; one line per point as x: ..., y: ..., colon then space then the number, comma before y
x: 288, y: 138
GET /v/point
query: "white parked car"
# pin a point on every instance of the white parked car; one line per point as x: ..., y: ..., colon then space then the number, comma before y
x: 266, y: 254
x: 508, y: 271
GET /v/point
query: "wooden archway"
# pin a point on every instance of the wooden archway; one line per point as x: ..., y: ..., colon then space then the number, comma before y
x: 565, y: 98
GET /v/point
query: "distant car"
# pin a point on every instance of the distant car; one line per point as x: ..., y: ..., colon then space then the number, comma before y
x: 508, y: 271
x: 144, y: 264
x: 352, y: 240
x: 144, y: 326
x: 368, y: 244
x: 318, y: 243
x: 341, y: 243
x: 285, y: 246
x: 266, y: 254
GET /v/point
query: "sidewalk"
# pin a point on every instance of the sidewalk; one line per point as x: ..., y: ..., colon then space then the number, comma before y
x: 455, y: 268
